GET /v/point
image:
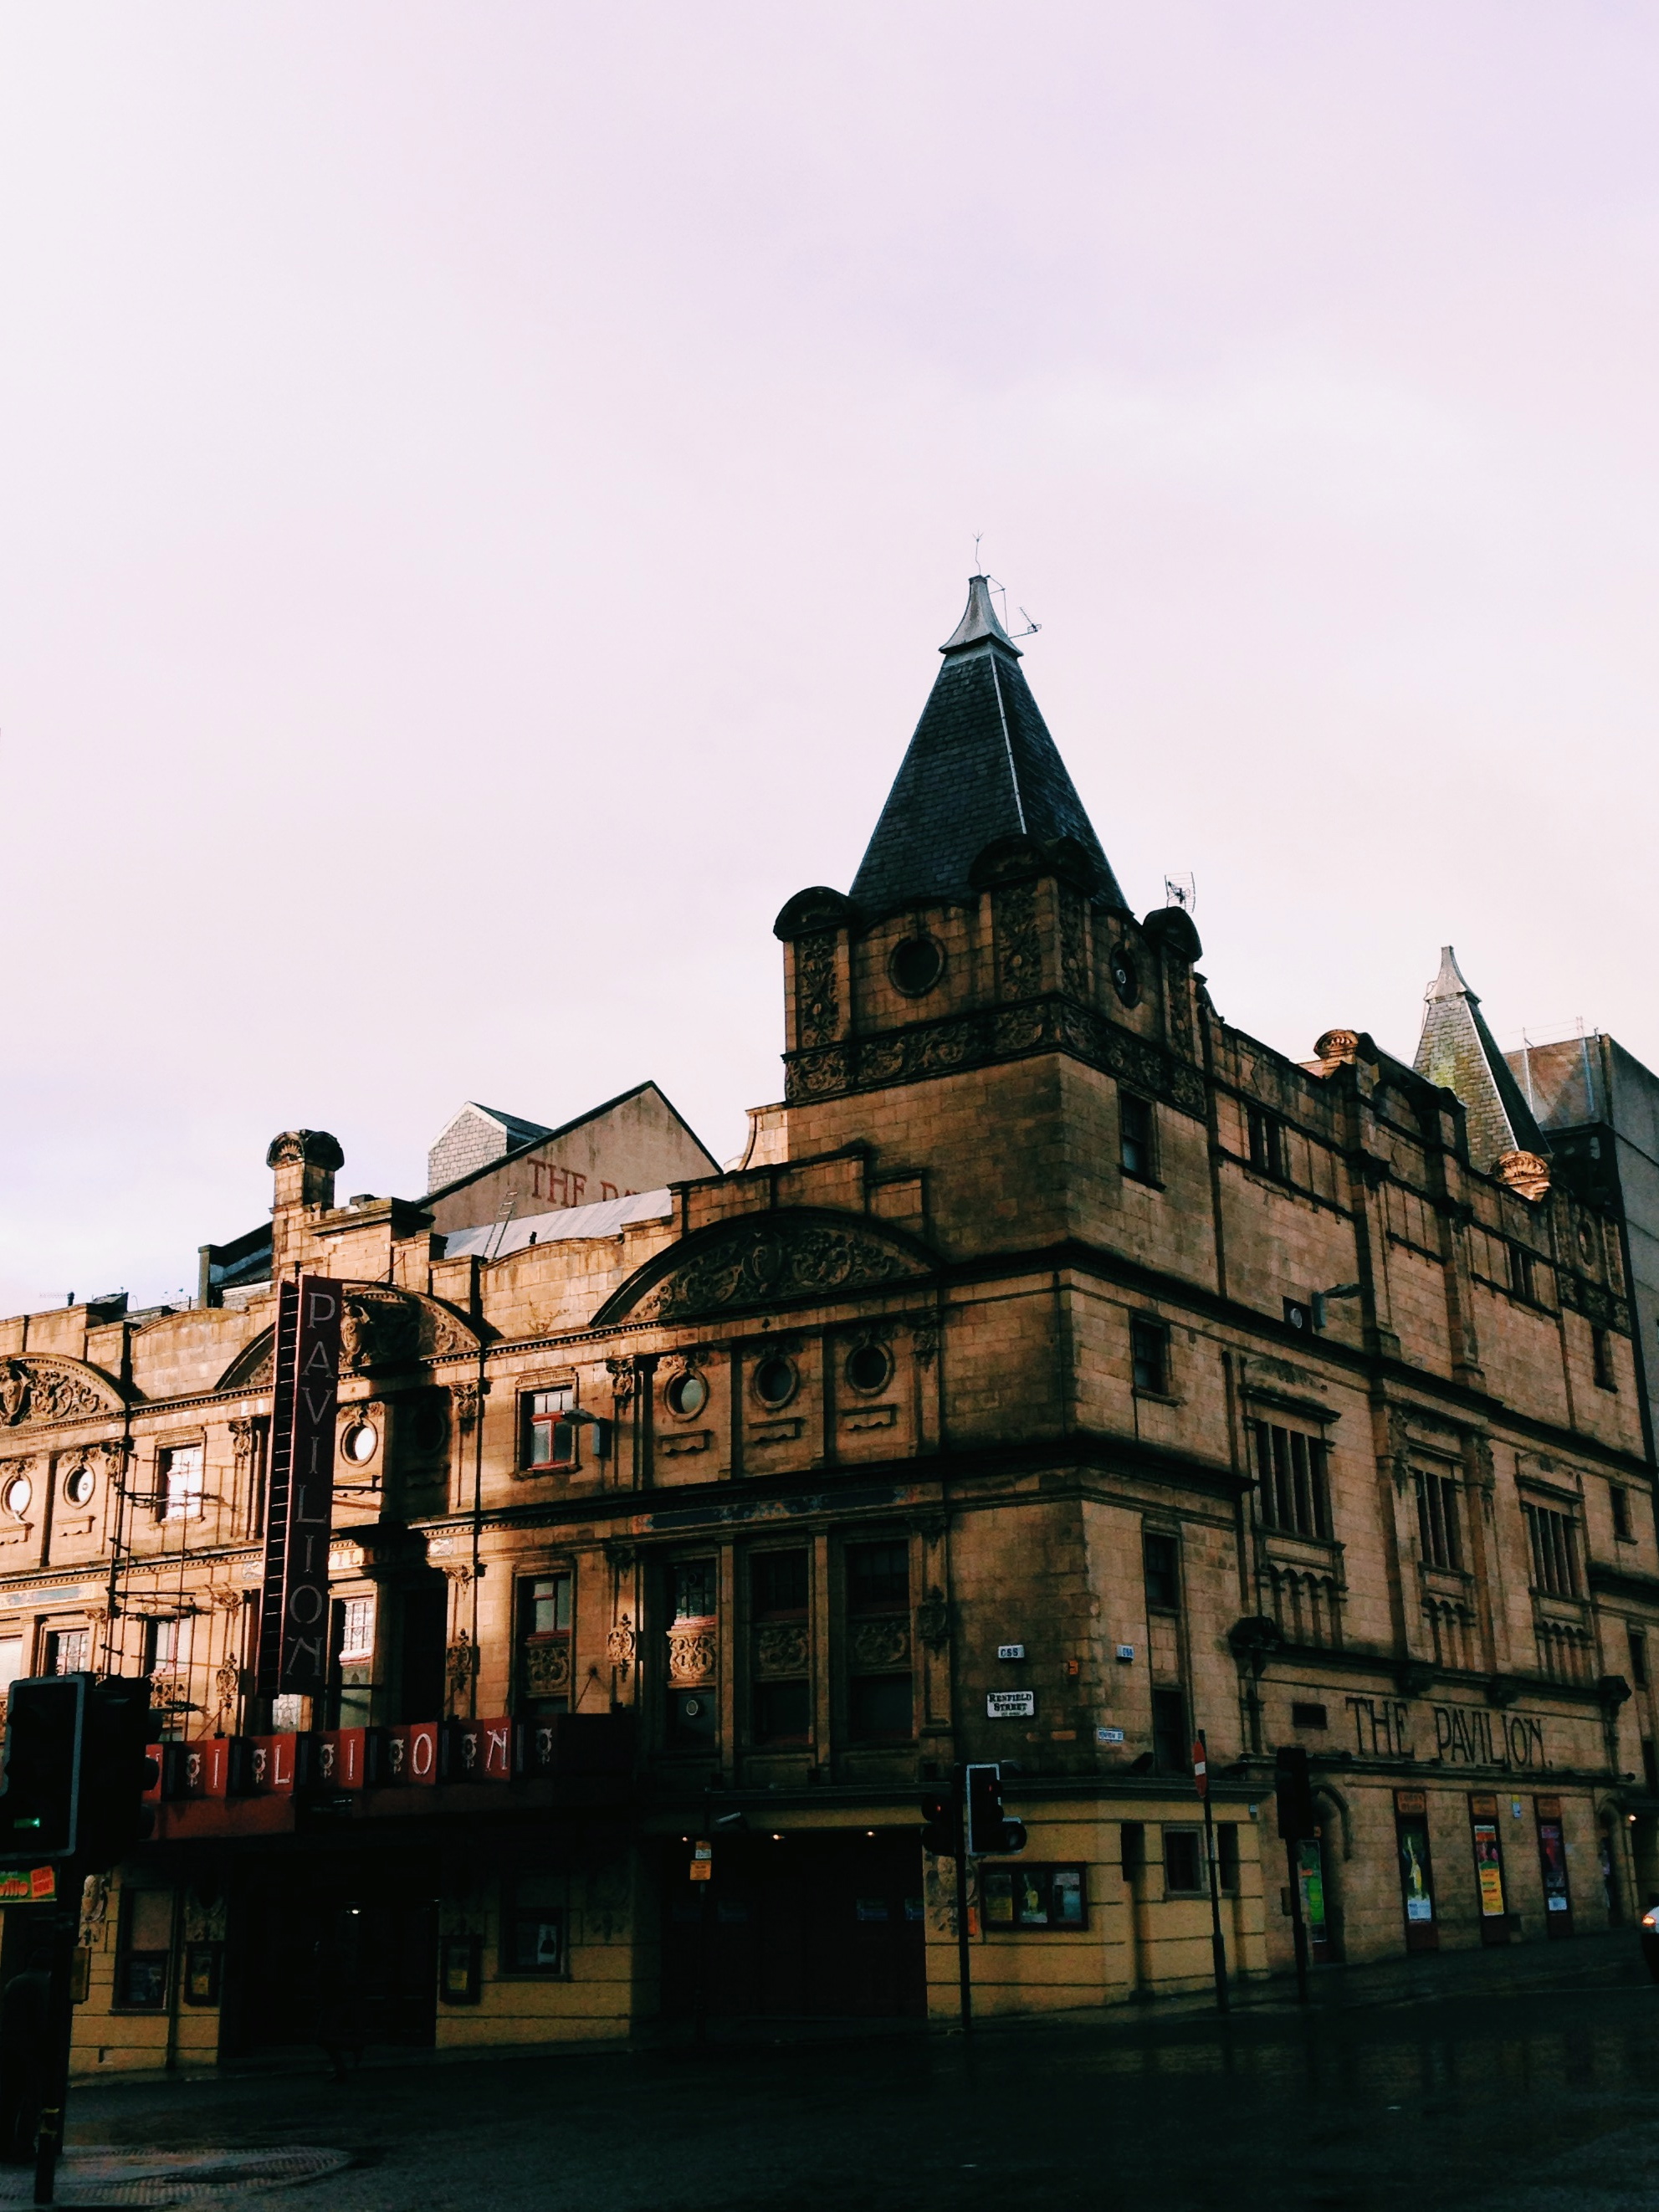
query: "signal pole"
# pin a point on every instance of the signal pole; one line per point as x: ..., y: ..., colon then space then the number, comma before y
x: 1218, y: 1945
x: 964, y: 1954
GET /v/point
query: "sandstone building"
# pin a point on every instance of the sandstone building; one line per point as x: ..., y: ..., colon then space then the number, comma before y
x: 1061, y: 1371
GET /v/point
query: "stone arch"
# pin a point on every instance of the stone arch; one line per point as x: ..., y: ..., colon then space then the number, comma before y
x: 794, y: 1256
x: 41, y: 1386
x: 383, y: 1327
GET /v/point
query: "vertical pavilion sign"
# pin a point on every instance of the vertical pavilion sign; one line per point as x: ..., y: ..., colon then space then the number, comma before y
x: 300, y: 1513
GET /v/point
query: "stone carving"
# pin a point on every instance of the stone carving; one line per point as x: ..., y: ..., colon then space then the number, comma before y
x: 815, y: 986
x: 1524, y: 1172
x: 380, y: 1327
x: 982, y: 1039
x: 624, y: 1381
x: 1596, y: 1303
x: 49, y: 1390
x: 619, y: 1646
x: 461, y: 1664
x: 934, y: 1619
x: 878, y: 1643
x: 467, y: 1400
x: 1019, y: 947
x: 1074, y: 944
x: 692, y: 1653
x: 547, y: 1666
x: 924, y: 1342
x: 305, y: 1148
x: 781, y: 1648
x: 760, y: 1263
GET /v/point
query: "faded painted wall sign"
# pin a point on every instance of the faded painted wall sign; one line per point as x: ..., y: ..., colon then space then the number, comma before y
x: 1449, y: 1736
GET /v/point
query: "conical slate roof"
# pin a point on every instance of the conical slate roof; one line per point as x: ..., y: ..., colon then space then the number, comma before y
x: 1457, y: 1050
x: 982, y: 765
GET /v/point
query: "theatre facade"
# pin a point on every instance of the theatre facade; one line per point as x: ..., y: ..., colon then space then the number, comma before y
x: 1060, y: 1372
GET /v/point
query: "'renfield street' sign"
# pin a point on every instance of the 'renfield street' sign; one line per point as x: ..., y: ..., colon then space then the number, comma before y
x: 299, y: 1511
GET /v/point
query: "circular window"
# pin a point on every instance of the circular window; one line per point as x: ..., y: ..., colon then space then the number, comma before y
x: 1124, y: 980
x: 916, y: 965
x: 79, y: 1486
x: 18, y: 1492
x: 868, y: 1367
x: 687, y: 1394
x: 360, y: 1444
x: 774, y: 1380
x: 692, y: 1708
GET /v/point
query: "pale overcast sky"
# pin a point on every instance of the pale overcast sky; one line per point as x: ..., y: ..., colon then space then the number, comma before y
x: 481, y: 486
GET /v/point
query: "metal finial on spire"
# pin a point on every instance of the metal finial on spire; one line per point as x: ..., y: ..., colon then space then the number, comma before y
x: 979, y: 624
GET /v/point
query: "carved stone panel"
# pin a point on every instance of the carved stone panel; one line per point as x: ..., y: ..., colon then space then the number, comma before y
x: 40, y: 1389
x: 760, y: 1262
x: 880, y: 1645
x: 818, y: 1013
x: 781, y: 1648
x: 547, y: 1666
x: 1019, y: 945
x: 691, y: 1652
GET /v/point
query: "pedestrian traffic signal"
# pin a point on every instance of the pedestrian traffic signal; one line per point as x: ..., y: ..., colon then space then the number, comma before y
x: 939, y: 1823
x: 41, y: 1759
x: 1297, y: 1820
x: 990, y: 1832
x: 116, y: 1771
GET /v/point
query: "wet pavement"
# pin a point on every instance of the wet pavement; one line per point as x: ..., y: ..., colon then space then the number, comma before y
x: 1527, y: 2080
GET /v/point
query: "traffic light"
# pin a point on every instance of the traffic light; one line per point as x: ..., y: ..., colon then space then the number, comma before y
x: 1297, y: 1819
x: 990, y: 1832
x: 939, y: 1823
x: 116, y: 1771
x: 41, y: 1759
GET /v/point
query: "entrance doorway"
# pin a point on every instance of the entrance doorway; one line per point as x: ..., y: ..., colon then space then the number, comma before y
x: 330, y: 1950
x: 813, y: 1924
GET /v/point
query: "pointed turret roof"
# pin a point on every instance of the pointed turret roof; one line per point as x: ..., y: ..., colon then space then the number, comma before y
x: 1457, y: 1050
x: 982, y: 765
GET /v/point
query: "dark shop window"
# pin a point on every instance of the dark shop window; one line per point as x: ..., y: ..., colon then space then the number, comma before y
x: 777, y: 1583
x: 1226, y: 1856
x: 1266, y: 1143
x: 877, y: 1577
x: 1172, y: 1750
x: 782, y: 1712
x: 1291, y: 1468
x: 1034, y: 1897
x: 1149, y: 1355
x: 145, y: 1948
x: 1135, y: 1150
x: 692, y: 1590
x: 1162, y: 1561
x: 423, y: 1634
x: 1184, y: 1860
x: 1554, y: 1552
x: 1621, y: 1527
x: 533, y: 1931
x: 1602, y: 1359
x: 1438, y: 1525
x: 881, y: 1705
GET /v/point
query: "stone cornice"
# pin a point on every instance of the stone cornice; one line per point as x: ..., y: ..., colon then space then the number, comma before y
x: 985, y: 1037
